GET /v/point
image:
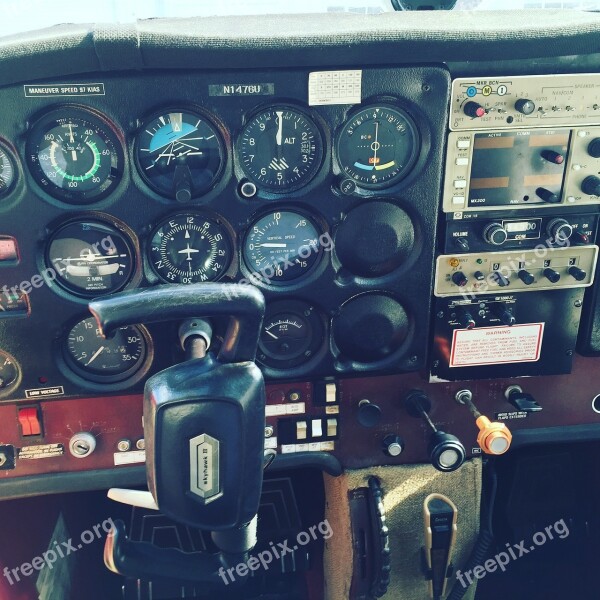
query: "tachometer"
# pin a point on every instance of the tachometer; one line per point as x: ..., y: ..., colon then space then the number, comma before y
x: 378, y: 146
x: 180, y: 154
x: 75, y: 155
x: 188, y: 248
x: 280, y: 149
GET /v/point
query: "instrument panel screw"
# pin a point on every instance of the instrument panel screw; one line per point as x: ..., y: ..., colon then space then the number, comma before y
x: 578, y: 303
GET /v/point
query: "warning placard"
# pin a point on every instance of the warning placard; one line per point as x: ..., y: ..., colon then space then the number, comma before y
x: 496, y: 345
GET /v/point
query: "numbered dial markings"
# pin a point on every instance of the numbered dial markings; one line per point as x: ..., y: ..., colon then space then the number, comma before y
x: 282, y: 246
x: 378, y: 146
x: 280, y: 149
x: 115, y: 358
x: 180, y: 154
x: 89, y: 258
x: 8, y: 172
x: 9, y: 370
x: 189, y: 248
x: 75, y: 155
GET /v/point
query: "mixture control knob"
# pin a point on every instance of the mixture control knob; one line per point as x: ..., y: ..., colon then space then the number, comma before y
x: 82, y: 444
x: 560, y: 230
x: 525, y: 106
x: 526, y: 277
x: 551, y: 275
x: 594, y: 148
x: 473, y: 110
x: 495, y: 234
x: 553, y: 157
x: 591, y: 185
x: 369, y: 414
x: 502, y: 313
x: 547, y: 195
x: 393, y: 445
x: 577, y: 273
x: 459, y: 279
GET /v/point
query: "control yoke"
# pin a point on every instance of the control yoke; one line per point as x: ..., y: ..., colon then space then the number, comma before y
x: 203, y: 427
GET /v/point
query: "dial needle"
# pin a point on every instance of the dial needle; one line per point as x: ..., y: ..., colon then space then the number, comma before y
x: 95, y: 355
x: 71, y: 133
x: 280, y: 128
x: 271, y: 334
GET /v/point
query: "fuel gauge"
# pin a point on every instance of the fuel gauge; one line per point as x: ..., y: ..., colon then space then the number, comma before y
x: 293, y: 332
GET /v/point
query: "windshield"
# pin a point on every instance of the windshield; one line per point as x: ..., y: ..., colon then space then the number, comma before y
x: 27, y: 15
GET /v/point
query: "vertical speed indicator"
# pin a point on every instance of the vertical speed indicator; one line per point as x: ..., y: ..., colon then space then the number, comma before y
x: 280, y: 149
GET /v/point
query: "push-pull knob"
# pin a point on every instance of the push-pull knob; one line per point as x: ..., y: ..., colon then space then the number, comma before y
x: 369, y: 414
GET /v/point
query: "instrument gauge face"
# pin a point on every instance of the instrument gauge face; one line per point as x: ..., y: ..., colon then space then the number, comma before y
x: 378, y: 146
x: 90, y: 258
x: 282, y: 246
x: 190, y: 248
x: 293, y: 331
x: 105, y: 360
x: 280, y: 149
x: 75, y: 155
x: 9, y: 371
x: 8, y: 172
x: 180, y: 154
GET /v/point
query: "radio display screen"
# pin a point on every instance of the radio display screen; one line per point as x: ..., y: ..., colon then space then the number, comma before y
x: 518, y: 167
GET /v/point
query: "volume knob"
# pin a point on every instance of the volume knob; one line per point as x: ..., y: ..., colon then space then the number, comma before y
x: 525, y: 106
x: 560, y: 230
x: 591, y: 185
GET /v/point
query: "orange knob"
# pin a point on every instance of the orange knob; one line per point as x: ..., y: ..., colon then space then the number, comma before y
x: 493, y: 438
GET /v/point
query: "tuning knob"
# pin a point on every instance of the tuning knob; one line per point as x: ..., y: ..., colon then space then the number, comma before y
x: 525, y: 106
x: 591, y: 185
x: 547, y: 195
x: 560, y: 230
x: 473, y: 110
x: 577, y: 273
x: 594, y: 148
x: 369, y: 414
x: 459, y: 279
x: 526, y: 277
x: 393, y: 445
x: 495, y: 234
x: 551, y: 275
x: 500, y: 279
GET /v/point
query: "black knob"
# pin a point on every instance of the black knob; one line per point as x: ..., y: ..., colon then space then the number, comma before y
x: 525, y: 106
x: 577, y: 273
x: 183, y: 184
x: 553, y: 157
x: 594, y: 148
x: 369, y: 414
x: 560, y: 230
x: 591, y: 185
x: 526, y: 277
x: 473, y: 110
x: 417, y: 403
x: 459, y: 279
x: 465, y: 318
x: 462, y: 243
x: 551, y: 275
x: 500, y: 279
x: 446, y: 452
x: 547, y: 195
x: 393, y: 445
x: 502, y: 313
x: 495, y: 234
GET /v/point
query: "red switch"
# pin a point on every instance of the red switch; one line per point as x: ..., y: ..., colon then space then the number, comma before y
x: 30, y: 424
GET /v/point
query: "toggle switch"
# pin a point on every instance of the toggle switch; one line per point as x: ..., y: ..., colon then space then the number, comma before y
x: 317, y: 428
x: 520, y: 400
x: 301, y: 430
x: 29, y: 422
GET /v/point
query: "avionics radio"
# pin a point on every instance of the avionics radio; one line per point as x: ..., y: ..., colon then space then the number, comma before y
x: 521, y: 169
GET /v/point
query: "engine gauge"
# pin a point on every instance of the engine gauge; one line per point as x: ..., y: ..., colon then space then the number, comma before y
x: 293, y: 331
x: 180, y: 154
x: 106, y: 360
x: 280, y: 149
x: 9, y: 371
x: 282, y: 246
x: 378, y: 146
x: 75, y: 155
x: 90, y: 258
x: 189, y: 248
x: 8, y: 171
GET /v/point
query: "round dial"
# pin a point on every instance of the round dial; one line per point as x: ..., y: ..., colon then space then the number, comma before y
x: 9, y: 371
x: 8, y: 172
x: 75, y: 155
x: 180, y: 154
x: 280, y: 149
x: 281, y: 246
x: 293, y: 331
x: 113, y: 359
x: 90, y: 258
x: 188, y: 248
x: 378, y: 146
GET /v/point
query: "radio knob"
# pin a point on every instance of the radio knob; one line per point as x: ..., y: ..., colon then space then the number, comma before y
x: 577, y: 273
x: 594, y: 148
x: 591, y: 185
x: 547, y: 195
x: 459, y: 279
x: 473, y: 110
x: 524, y: 106
x: 551, y: 275
x: 553, y: 157
x: 495, y: 234
x: 526, y: 277
x: 560, y: 230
